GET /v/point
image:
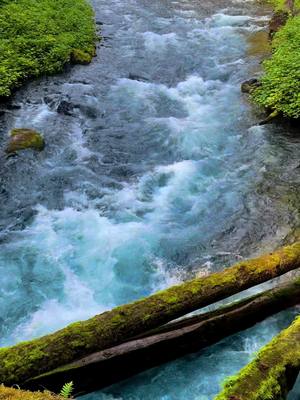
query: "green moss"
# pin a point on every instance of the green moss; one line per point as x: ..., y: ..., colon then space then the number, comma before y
x: 14, y: 394
x: 21, y: 139
x: 81, y: 57
x: 283, y: 4
x: 279, y: 90
x: 172, y: 299
x: 267, y: 376
x: 39, y: 37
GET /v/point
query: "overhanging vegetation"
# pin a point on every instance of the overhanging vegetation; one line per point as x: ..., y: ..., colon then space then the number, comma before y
x: 40, y: 37
x: 279, y: 90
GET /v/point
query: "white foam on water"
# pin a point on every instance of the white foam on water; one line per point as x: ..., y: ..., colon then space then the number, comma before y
x: 33, y: 117
x: 202, y: 130
x: 221, y: 19
x: 78, y: 143
x: 156, y: 42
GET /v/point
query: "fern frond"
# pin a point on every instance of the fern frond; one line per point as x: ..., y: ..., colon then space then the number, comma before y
x: 67, y: 390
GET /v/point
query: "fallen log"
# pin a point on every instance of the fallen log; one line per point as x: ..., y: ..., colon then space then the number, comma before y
x: 16, y: 394
x: 168, y: 342
x: 272, y: 374
x: 26, y: 360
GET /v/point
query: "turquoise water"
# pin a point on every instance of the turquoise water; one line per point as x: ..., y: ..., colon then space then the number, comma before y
x: 159, y: 173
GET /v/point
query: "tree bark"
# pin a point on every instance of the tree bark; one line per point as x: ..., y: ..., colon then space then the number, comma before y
x: 26, y: 360
x: 168, y: 342
x: 273, y: 372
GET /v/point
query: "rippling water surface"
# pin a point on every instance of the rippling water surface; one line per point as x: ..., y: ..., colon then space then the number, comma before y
x: 158, y: 172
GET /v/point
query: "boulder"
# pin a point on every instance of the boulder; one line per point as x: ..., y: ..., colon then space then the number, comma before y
x: 278, y: 20
x: 249, y: 85
x: 23, y: 138
x: 65, y: 107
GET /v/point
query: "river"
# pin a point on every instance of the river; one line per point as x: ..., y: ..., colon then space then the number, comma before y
x: 155, y: 170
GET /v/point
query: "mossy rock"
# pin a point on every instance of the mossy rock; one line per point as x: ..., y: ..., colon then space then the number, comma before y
x: 22, y: 138
x: 81, y: 57
x: 259, y: 44
x: 15, y: 394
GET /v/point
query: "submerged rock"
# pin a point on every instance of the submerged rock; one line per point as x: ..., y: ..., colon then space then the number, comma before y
x: 23, y: 138
x: 259, y: 44
x: 135, y: 77
x: 65, y: 107
x: 249, y: 85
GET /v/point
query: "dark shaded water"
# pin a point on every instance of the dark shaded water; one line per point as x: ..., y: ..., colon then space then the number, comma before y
x: 158, y: 173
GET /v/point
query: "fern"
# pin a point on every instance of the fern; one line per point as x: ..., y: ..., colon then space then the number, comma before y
x: 67, y: 390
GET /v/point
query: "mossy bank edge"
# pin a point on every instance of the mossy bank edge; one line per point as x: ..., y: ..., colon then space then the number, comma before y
x: 279, y: 90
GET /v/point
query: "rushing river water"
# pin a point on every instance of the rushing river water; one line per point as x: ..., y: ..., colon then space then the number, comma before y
x: 154, y: 171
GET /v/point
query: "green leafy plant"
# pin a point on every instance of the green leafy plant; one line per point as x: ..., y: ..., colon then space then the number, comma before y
x: 67, y: 390
x: 280, y: 83
x: 40, y: 37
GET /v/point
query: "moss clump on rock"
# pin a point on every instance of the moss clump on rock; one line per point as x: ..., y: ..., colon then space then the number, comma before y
x: 22, y: 138
x: 81, y: 57
x: 272, y: 373
x: 15, y: 394
x: 39, y: 37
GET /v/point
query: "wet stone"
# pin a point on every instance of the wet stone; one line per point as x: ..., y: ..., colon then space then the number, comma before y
x: 249, y: 85
x: 23, y: 138
x: 65, y: 107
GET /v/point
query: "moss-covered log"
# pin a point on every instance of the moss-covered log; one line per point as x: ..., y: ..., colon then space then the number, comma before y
x: 272, y: 373
x: 26, y: 360
x: 15, y: 394
x: 168, y: 342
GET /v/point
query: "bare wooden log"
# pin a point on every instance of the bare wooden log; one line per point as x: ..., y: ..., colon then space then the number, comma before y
x: 26, y: 360
x: 15, y: 394
x: 168, y: 342
x: 273, y: 372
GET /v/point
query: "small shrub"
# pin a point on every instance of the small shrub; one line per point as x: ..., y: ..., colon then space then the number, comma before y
x: 281, y: 82
x: 38, y: 37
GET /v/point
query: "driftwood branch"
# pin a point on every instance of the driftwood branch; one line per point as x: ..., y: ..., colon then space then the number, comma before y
x: 26, y: 360
x: 273, y: 372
